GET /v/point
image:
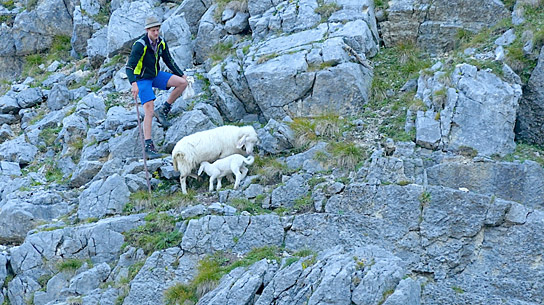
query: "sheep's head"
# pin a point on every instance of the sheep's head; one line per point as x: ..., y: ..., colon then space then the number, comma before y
x: 248, y: 139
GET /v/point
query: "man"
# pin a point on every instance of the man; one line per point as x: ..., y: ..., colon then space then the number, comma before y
x: 144, y: 75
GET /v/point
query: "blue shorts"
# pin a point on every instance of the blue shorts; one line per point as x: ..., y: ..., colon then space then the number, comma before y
x: 145, y: 86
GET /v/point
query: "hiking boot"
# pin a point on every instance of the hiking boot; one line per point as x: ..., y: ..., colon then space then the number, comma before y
x: 161, y: 114
x: 151, y: 152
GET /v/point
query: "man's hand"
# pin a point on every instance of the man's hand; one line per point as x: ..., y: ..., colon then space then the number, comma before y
x: 134, y: 90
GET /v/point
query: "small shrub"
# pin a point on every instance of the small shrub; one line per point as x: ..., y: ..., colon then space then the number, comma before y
x: 60, y: 48
x: 385, y: 295
x: 458, y: 289
x: 220, y: 51
x: 326, y: 9
x: 69, y: 265
x: 467, y: 151
x: 425, y: 198
x: 243, y: 204
x: 269, y: 169
x: 303, y: 204
x: 103, y: 16
x: 9, y: 4
x: 157, y: 233
x: 347, y: 154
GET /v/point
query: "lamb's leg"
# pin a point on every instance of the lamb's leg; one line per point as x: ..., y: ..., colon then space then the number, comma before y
x: 182, y: 181
x: 210, y: 188
x: 244, y: 172
x: 219, y: 183
x: 238, y: 176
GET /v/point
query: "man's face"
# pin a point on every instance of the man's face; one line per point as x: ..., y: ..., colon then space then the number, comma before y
x: 153, y: 33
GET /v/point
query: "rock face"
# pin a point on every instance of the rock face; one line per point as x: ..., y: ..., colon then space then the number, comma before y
x: 34, y: 30
x: 476, y: 110
x: 434, y: 25
x: 531, y: 107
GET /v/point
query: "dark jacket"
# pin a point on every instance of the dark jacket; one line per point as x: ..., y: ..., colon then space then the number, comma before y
x: 143, y: 63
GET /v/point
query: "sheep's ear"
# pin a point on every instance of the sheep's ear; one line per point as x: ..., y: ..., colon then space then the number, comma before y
x: 241, y: 142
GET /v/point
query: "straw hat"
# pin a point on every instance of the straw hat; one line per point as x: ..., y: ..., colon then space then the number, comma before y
x: 151, y: 22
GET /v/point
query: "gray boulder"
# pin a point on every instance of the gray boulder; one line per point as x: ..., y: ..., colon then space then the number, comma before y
x: 119, y: 119
x: 276, y: 137
x: 287, y: 17
x: 520, y: 182
x: 209, y: 34
x: 316, y: 65
x: 18, y: 150
x: 237, y: 24
x: 5, y: 133
x: 58, y: 97
x: 477, y: 111
x: 30, y: 97
x: 128, y: 144
x: 92, y: 108
x: 8, y: 103
x: 89, y: 280
x: 126, y: 24
x: 103, y: 198
x: 84, y: 172
x: 286, y: 195
x: 23, y: 212
x: 81, y: 33
x: 178, y: 35
x: 239, y: 286
x: 193, y: 11
x: 10, y: 169
x: 160, y: 271
x: 531, y: 106
x: 429, y: 24
x: 34, y: 30
x: 238, y: 234
x: 95, y: 47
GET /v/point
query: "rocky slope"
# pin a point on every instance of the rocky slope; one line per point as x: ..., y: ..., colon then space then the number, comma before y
x: 367, y: 189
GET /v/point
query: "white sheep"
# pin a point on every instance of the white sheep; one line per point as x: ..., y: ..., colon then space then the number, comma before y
x: 233, y: 164
x: 210, y: 145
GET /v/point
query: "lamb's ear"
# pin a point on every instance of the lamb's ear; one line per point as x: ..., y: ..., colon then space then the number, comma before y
x: 241, y: 142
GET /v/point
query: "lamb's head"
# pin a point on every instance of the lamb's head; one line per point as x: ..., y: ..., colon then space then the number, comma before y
x: 203, y: 167
x: 247, y: 139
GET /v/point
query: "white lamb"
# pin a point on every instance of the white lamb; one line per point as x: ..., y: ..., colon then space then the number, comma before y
x: 233, y: 164
x: 210, y: 145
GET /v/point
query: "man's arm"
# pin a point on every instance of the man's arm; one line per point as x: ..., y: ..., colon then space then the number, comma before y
x: 169, y: 61
x: 135, y: 55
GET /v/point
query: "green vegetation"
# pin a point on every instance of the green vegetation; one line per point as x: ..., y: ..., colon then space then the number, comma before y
x: 49, y: 135
x: 243, y: 204
x: 211, y: 269
x: 269, y: 169
x: 393, y: 67
x: 60, y: 48
x: 9, y: 4
x: 308, y: 131
x: 526, y: 152
x: 69, y: 265
x: 103, y: 16
x: 161, y: 199
x: 347, y: 154
x: 425, y: 198
x: 385, y: 295
x: 236, y: 5
x: 458, y: 289
x: 31, y: 63
x: 326, y: 9
x: 303, y: 204
x: 159, y: 232
x: 220, y: 51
